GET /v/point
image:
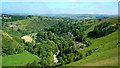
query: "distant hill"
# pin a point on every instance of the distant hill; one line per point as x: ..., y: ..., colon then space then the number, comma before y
x: 31, y: 25
x: 79, y: 16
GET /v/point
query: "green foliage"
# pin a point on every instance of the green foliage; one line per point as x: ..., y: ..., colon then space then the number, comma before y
x: 61, y: 60
x: 29, y: 46
x: 55, y: 36
x: 10, y: 45
x: 10, y: 18
x: 29, y: 16
x: 76, y: 30
x: 71, y: 43
x: 102, y: 30
x: 106, y: 50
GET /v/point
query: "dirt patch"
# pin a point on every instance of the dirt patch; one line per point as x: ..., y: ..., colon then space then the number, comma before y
x: 27, y: 38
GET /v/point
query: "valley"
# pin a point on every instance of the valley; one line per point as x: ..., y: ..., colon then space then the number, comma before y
x: 52, y: 41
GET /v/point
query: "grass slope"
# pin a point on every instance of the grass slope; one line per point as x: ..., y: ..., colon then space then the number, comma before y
x: 8, y: 40
x: 18, y: 59
x: 106, y: 55
x: 111, y: 20
x: 0, y: 47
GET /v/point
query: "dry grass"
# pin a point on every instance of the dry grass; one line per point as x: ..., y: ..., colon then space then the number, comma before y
x: 27, y: 38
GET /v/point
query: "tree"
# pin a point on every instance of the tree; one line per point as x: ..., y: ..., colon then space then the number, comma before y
x: 50, y: 35
x: 29, y: 16
x: 40, y: 17
x: 71, y: 43
x: 18, y: 29
x: 45, y: 36
x: 102, y: 30
x: 79, y: 35
x: 61, y: 60
x: 70, y: 57
x: 29, y: 46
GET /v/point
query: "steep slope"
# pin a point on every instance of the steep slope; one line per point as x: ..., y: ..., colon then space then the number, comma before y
x: 96, y: 22
x: 10, y: 45
x: 106, y: 55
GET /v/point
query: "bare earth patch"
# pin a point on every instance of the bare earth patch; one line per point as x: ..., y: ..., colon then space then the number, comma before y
x: 27, y: 38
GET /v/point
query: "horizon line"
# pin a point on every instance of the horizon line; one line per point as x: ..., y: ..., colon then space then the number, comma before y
x: 58, y: 14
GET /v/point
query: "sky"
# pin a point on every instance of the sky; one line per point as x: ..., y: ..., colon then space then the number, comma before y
x: 60, y: 0
x: 62, y: 7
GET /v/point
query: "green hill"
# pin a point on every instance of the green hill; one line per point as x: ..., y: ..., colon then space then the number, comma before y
x: 10, y: 44
x: 106, y: 55
x: 13, y: 51
x: 96, y: 22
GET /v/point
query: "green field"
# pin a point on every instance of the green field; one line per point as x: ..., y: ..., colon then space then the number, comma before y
x: 0, y: 61
x: 106, y: 55
x: 18, y: 59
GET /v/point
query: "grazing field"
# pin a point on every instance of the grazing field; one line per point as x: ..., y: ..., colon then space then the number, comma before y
x: 18, y: 59
x: 106, y: 55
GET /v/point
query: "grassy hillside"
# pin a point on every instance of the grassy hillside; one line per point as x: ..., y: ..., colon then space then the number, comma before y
x: 0, y: 48
x: 106, y: 55
x: 8, y: 37
x: 10, y: 45
x: 96, y: 22
x: 18, y: 59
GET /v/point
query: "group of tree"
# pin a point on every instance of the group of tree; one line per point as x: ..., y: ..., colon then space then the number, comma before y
x: 56, y: 38
x: 102, y: 29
